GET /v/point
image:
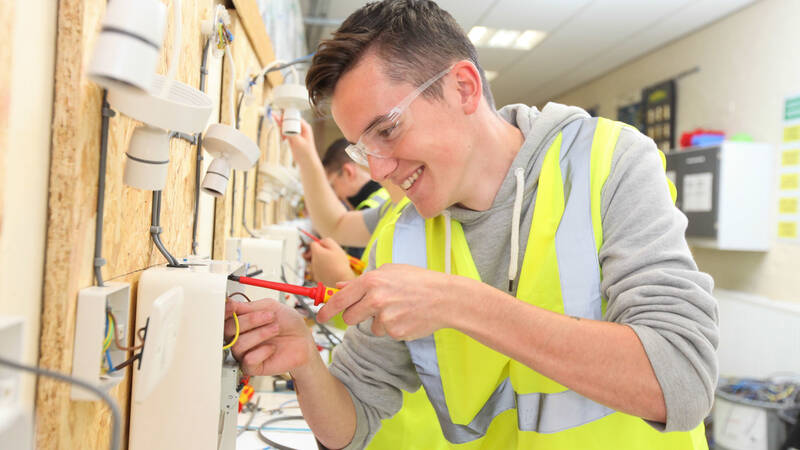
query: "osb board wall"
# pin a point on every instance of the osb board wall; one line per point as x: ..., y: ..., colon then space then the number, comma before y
x: 227, y: 218
x: 61, y: 423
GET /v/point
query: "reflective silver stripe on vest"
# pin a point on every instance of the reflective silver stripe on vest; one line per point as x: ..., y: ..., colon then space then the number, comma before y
x: 578, y: 267
x: 580, y: 283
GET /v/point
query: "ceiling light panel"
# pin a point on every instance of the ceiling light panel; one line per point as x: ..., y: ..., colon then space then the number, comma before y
x: 503, y: 38
x: 528, y: 39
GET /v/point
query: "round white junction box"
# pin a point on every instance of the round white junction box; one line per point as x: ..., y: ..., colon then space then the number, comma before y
x: 226, y: 142
x: 276, y: 175
x: 147, y: 159
x: 290, y: 96
x: 184, y: 109
x: 127, y: 50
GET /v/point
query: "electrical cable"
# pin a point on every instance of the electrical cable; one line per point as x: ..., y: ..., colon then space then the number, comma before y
x: 99, y: 262
x: 108, y: 361
x: 244, y: 207
x: 116, y: 420
x: 116, y: 336
x: 199, y: 150
x: 155, y: 230
x: 242, y: 294
x: 109, y: 330
x: 235, y: 336
x: 271, y: 421
x: 128, y: 362
x: 256, y: 409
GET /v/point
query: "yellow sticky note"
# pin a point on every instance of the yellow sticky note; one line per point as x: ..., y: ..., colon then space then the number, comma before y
x: 790, y: 181
x: 790, y: 157
x: 791, y: 133
x: 787, y: 230
x: 788, y: 205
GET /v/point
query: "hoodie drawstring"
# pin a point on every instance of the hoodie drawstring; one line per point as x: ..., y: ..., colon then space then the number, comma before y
x: 519, y: 173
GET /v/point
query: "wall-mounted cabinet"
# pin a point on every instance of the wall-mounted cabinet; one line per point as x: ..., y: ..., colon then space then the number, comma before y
x: 726, y: 193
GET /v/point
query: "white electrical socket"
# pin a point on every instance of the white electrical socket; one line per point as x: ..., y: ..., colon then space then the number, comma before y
x: 90, y: 327
x: 15, y: 426
x: 11, y: 332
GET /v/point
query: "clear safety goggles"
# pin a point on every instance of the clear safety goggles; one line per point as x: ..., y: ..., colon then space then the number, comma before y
x: 379, y: 138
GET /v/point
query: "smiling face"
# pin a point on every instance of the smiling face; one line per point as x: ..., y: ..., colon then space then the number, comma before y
x: 430, y: 155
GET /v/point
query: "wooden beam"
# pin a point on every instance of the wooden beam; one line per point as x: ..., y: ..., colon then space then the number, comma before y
x: 257, y: 33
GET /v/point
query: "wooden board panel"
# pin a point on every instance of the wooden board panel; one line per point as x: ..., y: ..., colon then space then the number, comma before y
x: 257, y: 34
x: 228, y: 219
x: 61, y: 423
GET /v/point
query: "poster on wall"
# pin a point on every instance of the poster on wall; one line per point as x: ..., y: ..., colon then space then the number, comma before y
x: 658, y: 114
x: 788, y: 224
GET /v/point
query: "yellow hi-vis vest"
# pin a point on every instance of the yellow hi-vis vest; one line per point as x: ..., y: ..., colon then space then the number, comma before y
x: 486, y: 400
x: 389, y: 213
x: 374, y: 200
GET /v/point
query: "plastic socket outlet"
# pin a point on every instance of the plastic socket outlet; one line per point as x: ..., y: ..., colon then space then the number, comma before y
x: 15, y: 424
x: 90, y: 326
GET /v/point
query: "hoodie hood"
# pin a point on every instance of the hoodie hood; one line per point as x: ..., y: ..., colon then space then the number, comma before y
x: 539, y: 129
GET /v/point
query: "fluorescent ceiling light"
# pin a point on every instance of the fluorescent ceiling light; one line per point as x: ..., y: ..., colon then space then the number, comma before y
x: 476, y: 35
x: 528, y: 39
x: 490, y: 74
x: 515, y: 39
x: 503, y: 38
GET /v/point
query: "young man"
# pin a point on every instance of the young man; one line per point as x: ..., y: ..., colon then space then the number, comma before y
x: 349, y: 181
x: 328, y: 215
x: 570, y: 313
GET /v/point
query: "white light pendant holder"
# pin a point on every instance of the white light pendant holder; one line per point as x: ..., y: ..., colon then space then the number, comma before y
x: 216, y: 180
x: 233, y: 149
x: 147, y: 159
x: 126, y: 53
x: 291, y: 98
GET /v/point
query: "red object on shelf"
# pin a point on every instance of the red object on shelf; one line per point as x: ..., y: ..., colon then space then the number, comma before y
x: 686, y: 138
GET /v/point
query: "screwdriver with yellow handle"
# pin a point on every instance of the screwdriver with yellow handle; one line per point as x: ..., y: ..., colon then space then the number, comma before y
x: 356, y: 264
x: 319, y: 293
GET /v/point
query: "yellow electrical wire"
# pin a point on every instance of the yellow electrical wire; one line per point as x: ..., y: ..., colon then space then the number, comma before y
x: 107, y: 341
x: 235, y: 336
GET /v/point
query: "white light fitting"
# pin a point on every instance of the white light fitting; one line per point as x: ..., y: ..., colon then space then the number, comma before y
x: 231, y: 149
x: 127, y: 49
x: 291, y: 98
x: 501, y: 38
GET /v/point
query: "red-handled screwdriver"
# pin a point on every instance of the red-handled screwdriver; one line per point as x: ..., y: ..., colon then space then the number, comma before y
x: 356, y: 264
x: 320, y: 293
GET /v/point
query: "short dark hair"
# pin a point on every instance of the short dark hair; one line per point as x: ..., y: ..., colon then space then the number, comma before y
x: 335, y: 156
x: 415, y: 38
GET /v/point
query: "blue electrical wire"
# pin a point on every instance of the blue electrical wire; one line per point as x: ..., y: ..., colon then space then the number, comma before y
x: 108, y: 361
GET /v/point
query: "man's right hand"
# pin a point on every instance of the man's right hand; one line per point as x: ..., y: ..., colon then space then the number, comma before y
x: 273, y: 338
x: 302, y: 145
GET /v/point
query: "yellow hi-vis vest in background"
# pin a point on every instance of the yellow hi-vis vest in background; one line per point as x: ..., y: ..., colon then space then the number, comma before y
x: 374, y: 199
x: 486, y: 400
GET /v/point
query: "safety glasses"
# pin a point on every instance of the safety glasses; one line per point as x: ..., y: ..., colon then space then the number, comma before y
x: 379, y: 138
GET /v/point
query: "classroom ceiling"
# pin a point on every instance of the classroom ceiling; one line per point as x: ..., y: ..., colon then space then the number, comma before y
x: 585, y: 38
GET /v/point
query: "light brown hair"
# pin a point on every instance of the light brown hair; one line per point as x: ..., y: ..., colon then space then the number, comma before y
x: 414, y: 38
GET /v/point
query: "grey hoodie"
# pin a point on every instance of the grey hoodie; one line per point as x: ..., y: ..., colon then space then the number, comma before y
x: 648, y: 276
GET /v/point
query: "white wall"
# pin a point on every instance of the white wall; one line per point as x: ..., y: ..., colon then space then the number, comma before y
x: 748, y: 62
x: 27, y: 161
